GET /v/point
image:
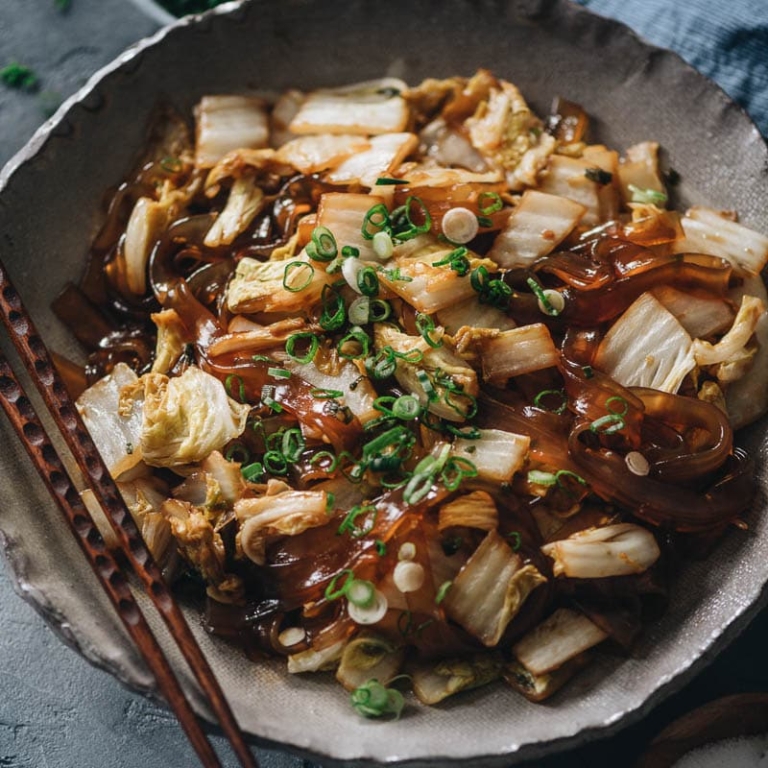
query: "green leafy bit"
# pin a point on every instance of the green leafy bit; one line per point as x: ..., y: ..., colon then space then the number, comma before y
x: 19, y: 76
x: 372, y: 699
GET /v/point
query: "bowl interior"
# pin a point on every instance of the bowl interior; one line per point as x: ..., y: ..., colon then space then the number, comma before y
x: 632, y: 91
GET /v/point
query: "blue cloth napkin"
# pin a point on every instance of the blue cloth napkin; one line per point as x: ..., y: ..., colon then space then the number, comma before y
x: 726, y: 40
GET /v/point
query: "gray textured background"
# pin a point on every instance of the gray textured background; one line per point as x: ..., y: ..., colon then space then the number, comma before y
x: 57, y: 711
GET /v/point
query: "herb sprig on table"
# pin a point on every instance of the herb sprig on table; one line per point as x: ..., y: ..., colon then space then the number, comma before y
x: 19, y: 76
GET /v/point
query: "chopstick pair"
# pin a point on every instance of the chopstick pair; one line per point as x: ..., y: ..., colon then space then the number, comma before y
x: 21, y: 413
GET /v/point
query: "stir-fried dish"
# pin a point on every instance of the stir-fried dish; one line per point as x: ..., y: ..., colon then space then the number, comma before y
x: 418, y: 386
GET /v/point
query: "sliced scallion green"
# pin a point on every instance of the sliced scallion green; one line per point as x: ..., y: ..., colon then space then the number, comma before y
x: 313, y: 344
x: 292, y: 280
x: 254, y: 472
x: 322, y: 246
x: 489, y: 202
x: 376, y: 220
x: 425, y: 325
x: 354, y: 345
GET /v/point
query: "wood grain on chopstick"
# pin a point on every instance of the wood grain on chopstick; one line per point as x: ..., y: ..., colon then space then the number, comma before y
x: 50, y: 467
x: 42, y: 371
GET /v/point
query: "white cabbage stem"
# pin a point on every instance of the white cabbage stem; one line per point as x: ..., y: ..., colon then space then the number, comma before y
x: 560, y: 638
x: 613, y: 550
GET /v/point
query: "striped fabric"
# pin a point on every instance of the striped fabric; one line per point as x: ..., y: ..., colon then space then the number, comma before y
x: 726, y: 40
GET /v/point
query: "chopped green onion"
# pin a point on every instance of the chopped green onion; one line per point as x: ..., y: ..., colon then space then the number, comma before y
x: 323, y: 455
x: 293, y: 444
x: 442, y: 592
x: 330, y: 502
x: 382, y: 245
x: 381, y: 548
x: 349, y: 251
x: 551, y: 394
x: 359, y: 310
x: 332, y: 591
x: 354, y: 473
x: 333, y: 310
x: 426, y: 384
x: 368, y: 281
x: 537, y: 477
x: 379, y: 310
x: 588, y: 371
x: 372, y: 699
x: 368, y: 512
x: 455, y: 470
x: 406, y: 408
x: 405, y: 622
x: 479, y: 279
x: 425, y: 325
x: 237, y: 453
x: 279, y: 373
x: 515, y: 539
x: 491, y: 291
x: 322, y: 246
x: 457, y: 260
x: 295, y: 267
x: 365, y: 310
x: 375, y: 220
x: 320, y: 393
x: 361, y: 593
x: 545, y: 304
x: 468, y: 433
x: 383, y: 181
x: 398, y: 440
x: 275, y: 463
x: 493, y: 205
x: 296, y: 338
x: 396, y: 275
x: 403, y: 225
x: 392, y: 480
x: 462, y: 402
x: 459, y: 225
x: 228, y: 385
x: 566, y: 473
x: 608, y: 425
x: 267, y: 397
x: 382, y: 365
x: 261, y: 359
x: 384, y: 404
x: 356, y: 336
x: 413, y: 356
x: 423, y: 477
x: 622, y: 404
x: 484, y: 221
x: 253, y: 472
x: 647, y: 196
x: 418, y: 487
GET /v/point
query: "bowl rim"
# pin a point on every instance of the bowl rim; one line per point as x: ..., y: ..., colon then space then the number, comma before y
x: 624, y: 717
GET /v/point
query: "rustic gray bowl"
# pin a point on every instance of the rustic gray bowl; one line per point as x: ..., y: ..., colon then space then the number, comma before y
x: 50, y: 203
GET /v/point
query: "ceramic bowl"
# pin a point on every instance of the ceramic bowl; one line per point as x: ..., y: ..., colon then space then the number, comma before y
x: 50, y: 208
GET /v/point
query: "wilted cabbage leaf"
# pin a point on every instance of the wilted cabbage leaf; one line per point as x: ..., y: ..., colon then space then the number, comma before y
x: 187, y: 417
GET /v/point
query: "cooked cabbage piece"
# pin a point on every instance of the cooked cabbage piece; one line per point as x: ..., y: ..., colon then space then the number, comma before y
x: 113, y: 422
x: 490, y: 589
x: 660, y: 356
x: 186, y: 417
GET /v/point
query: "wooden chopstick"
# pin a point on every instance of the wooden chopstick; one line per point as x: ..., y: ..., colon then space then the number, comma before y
x: 35, y: 439
x: 37, y: 360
